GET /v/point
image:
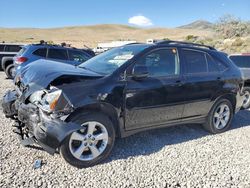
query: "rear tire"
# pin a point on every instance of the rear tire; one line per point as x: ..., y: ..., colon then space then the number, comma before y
x: 220, y: 117
x: 246, y: 102
x: 84, y: 149
x: 9, y: 71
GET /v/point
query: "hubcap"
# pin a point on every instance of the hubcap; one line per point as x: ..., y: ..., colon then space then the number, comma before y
x: 90, y: 142
x: 246, y: 100
x: 221, y: 116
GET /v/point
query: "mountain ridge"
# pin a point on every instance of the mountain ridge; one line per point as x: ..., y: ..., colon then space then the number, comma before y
x: 198, y: 24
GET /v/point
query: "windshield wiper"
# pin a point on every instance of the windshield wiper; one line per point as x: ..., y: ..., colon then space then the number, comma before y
x: 92, y: 70
x: 86, y: 68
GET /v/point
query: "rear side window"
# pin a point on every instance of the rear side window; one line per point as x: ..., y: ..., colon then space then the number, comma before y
x: 1, y: 48
x: 212, y: 64
x: 23, y: 49
x: 195, y: 61
x: 42, y: 52
x: 12, y: 48
x: 241, y: 61
x: 58, y: 54
x: 78, y: 56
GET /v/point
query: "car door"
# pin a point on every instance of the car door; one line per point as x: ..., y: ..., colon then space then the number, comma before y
x: 203, y: 80
x: 58, y: 54
x: 157, y: 98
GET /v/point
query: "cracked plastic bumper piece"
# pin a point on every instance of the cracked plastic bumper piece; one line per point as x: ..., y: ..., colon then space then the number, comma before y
x: 49, y: 133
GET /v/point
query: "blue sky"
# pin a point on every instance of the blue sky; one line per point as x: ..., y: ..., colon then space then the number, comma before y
x: 150, y: 13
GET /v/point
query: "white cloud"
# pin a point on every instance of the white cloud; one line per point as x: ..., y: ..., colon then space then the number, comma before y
x: 140, y: 21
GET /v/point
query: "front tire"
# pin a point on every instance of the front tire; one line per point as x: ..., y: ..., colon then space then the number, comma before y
x: 90, y: 145
x: 220, y: 117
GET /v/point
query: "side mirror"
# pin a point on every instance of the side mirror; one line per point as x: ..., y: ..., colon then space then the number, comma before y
x: 140, y: 72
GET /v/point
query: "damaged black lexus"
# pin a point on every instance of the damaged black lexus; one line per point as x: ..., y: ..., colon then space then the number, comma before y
x: 80, y: 110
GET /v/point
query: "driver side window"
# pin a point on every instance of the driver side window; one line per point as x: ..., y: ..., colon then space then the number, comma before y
x: 163, y: 62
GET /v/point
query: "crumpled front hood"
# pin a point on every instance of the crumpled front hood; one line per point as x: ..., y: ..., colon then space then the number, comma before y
x: 39, y: 74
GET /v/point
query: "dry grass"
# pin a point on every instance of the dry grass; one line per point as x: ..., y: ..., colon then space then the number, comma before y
x: 91, y: 35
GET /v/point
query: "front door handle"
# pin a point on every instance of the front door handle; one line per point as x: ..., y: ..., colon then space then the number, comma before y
x: 179, y: 82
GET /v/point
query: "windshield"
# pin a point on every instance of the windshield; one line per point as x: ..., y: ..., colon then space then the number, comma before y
x: 107, y: 62
x: 241, y: 61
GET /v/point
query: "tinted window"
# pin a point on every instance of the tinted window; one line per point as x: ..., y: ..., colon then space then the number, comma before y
x: 161, y: 62
x: 1, y: 47
x: 79, y: 56
x: 58, y: 54
x: 212, y: 65
x: 241, y: 61
x: 111, y: 60
x: 42, y: 52
x: 195, y: 61
x: 12, y: 48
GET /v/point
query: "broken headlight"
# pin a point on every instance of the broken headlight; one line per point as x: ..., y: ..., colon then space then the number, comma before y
x: 51, y: 101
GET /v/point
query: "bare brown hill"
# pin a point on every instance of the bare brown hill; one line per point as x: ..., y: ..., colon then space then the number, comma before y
x: 91, y: 35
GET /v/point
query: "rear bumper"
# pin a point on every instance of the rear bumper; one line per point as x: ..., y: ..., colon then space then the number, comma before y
x: 49, y: 133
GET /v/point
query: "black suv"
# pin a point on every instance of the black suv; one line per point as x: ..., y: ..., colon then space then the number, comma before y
x: 7, y: 52
x: 81, y: 110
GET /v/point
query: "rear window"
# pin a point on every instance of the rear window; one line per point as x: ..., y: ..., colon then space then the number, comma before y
x: 58, y: 54
x: 21, y: 51
x: 241, y: 61
x: 1, y: 47
x: 42, y: 52
x: 12, y: 48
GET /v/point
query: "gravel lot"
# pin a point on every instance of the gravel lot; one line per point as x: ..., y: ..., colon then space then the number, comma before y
x: 183, y: 156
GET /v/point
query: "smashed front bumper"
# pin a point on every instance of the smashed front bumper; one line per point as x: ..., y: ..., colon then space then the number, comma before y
x: 32, y: 122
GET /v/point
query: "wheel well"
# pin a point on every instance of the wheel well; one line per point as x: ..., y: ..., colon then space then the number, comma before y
x: 231, y: 98
x: 247, y: 83
x: 105, y: 109
x: 7, y: 63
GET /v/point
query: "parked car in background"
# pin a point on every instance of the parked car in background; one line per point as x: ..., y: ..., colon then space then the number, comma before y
x: 99, y: 50
x: 243, y: 62
x: 103, y: 47
x: 33, y: 52
x: 7, y: 52
x: 81, y: 110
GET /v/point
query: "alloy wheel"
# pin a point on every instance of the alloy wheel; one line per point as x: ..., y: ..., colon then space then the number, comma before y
x: 221, y: 116
x: 246, y: 100
x: 89, y: 142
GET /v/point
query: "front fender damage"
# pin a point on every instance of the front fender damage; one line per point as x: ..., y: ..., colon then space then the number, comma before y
x: 52, y: 132
x: 33, y: 125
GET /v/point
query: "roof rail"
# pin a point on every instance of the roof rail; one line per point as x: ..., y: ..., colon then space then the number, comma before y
x: 185, y: 43
x: 132, y: 43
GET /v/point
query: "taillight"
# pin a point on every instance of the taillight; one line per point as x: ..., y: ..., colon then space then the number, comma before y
x: 21, y: 60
